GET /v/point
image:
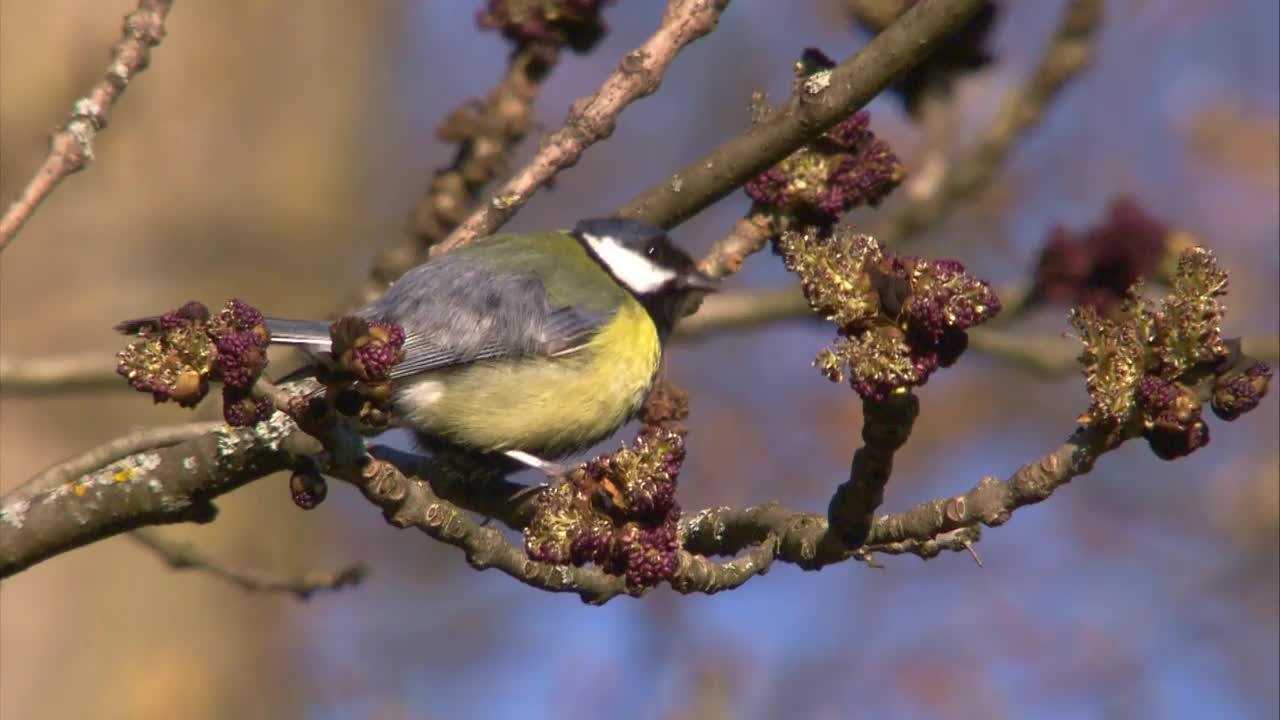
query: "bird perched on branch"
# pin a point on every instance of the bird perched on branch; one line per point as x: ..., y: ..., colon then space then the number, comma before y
x: 530, y: 345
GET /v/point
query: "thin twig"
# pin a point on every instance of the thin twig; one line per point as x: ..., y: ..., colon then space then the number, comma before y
x: 71, y: 372
x: 71, y: 148
x: 744, y: 310
x: 1068, y: 53
x: 748, y: 236
x: 487, y: 133
x: 593, y: 118
x: 184, y: 556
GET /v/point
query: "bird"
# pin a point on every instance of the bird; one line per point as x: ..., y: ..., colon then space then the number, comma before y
x: 533, y: 346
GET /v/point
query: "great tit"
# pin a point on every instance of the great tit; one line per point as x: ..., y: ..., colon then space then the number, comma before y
x: 535, y: 346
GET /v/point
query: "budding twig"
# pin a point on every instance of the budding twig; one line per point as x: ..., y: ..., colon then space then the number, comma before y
x: 71, y: 148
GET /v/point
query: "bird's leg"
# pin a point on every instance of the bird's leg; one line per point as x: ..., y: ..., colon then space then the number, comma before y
x: 553, y: 471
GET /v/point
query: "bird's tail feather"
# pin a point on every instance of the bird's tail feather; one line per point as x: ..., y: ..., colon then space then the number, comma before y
x: 299, y: 332
x: 283, y: 332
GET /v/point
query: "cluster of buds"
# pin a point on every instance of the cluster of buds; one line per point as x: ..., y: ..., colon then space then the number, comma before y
x: 1145, y: 365
x: 899, y: 318
x: 1098, y: 265
x: 357, y: 376
x: 844, y: 168
x: 617, y: 511
x: 573, y: 23
x: 963, y: 51
x: 179, y: 353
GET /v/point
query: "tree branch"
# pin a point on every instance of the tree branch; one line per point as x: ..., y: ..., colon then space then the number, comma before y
x: 853, y: 83
x: 925, y: 529
x: 593, y: 118
x: 748, y: 236
x: 992, y: 502
x: 113, y: 451
x: 153, y: 487
x: 411, y: 502
x: 71, y: 148
x: 69, y: 372
x: 885, y: 428
x: 183, y: 556
x: 1068, y: 53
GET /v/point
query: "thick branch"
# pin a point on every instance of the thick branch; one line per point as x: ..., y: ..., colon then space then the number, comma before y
x: 153, y: 487
x: 853, y: 84
x: 593, y: 118
x: 885, y: 428
x: 71, y: 148
x: 109, y: 452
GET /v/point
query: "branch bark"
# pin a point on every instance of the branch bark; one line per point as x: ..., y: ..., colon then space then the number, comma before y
x: 853, y: 83
x: 71, y: 148
x: 153, y: 487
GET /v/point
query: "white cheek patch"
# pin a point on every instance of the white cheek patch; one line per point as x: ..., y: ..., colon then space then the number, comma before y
x: 631, y: 268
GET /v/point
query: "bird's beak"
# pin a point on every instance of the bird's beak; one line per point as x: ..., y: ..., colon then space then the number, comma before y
x: 699, y: 281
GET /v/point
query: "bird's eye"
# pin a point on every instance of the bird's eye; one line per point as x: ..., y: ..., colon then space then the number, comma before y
x: 652, y: 250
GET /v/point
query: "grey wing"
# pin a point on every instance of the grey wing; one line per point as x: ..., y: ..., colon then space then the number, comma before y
x: 566, y: 330
x: 455, y: 315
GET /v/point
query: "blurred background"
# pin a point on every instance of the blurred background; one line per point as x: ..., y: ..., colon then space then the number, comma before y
x: 273, y: 149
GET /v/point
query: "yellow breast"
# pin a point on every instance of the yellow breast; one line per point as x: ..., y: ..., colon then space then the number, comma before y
x: 549, y: 407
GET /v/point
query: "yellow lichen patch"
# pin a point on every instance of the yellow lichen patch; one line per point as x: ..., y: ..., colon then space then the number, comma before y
x: 125, y: 475
x: 80, y: 490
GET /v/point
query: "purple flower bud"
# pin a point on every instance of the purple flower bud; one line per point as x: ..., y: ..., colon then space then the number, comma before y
x: 1238, y: 393
x: 1171, y: 444
x: 240, y: 409
x: 307, y: 489
x: 240, y: 359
